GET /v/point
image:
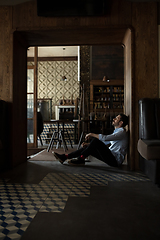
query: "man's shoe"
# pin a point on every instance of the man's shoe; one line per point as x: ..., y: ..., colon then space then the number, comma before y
x: 60, y: 157
x: 77, y: 161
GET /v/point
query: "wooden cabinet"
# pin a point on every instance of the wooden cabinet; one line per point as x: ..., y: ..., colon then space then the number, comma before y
x: 106, y: 97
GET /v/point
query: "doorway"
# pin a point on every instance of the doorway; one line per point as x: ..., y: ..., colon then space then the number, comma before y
x: 80, y: 36
x: 51, y: 88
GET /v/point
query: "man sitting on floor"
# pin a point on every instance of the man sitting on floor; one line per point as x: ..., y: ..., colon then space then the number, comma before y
x: 113, y: 156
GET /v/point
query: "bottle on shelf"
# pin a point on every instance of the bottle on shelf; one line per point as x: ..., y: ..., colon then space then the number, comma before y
x: 107, y: 98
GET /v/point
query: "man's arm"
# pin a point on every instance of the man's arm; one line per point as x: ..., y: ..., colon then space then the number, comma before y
x: 114, y: 136
x: 91, y: 135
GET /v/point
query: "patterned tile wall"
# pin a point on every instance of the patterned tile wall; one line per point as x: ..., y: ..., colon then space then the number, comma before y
x: 50, y: 84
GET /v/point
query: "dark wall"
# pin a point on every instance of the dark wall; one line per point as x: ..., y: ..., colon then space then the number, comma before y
x: 107, y: 60
x: 4, y: 135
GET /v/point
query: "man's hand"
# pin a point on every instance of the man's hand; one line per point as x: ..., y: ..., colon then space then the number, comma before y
x: 89, y: 135
x: 84, y: 144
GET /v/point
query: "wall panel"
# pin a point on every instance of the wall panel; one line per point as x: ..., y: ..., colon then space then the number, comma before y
x: 144, y: 21
x: 5, y: 53
x: 18, y: 140
x: 25, y: 15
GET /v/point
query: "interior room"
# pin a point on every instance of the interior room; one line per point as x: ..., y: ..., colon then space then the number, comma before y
x: 59, y: 97
x: 66, y: 70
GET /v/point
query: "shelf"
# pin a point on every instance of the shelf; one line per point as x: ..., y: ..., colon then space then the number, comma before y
x: 109, y: 110
x: 101, y: 93
x: 112, y: 82
x: 106, y: 97
x: 102, y: 101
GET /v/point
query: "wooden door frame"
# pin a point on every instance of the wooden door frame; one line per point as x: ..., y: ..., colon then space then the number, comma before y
x: 34, y: 67
x: 86, y: 36
x: 31, y: 145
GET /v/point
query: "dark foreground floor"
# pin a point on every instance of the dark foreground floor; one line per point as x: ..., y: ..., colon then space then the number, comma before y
x: 47, y: 200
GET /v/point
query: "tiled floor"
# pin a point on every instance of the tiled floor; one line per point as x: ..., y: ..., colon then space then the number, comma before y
x: 19, y: 203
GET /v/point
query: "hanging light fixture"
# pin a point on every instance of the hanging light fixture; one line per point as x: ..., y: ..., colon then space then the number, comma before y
x: 105, y: 79
x: 63, y: 77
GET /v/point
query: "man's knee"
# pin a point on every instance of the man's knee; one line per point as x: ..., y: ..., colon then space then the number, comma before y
x: 95, y: 139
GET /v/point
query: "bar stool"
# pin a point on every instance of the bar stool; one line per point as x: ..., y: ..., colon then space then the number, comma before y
x: 59, y: 136
x: 63, y: 134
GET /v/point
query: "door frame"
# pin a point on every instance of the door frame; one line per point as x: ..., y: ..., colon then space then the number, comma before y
x: 34, y: 67
x: 81, y: 36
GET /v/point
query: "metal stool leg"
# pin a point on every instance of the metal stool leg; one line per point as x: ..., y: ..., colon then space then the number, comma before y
x: 50, y: 144
x: 54, y: 139
x: 80, y: 140
x: 61, y: 134
x: 69, y: 137
x: 40, y: 139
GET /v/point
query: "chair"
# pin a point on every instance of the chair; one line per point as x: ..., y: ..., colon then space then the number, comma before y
x: 149, y: 138
x: 59, y: 137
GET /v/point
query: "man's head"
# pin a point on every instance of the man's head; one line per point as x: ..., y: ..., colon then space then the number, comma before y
x: 120, y: 120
